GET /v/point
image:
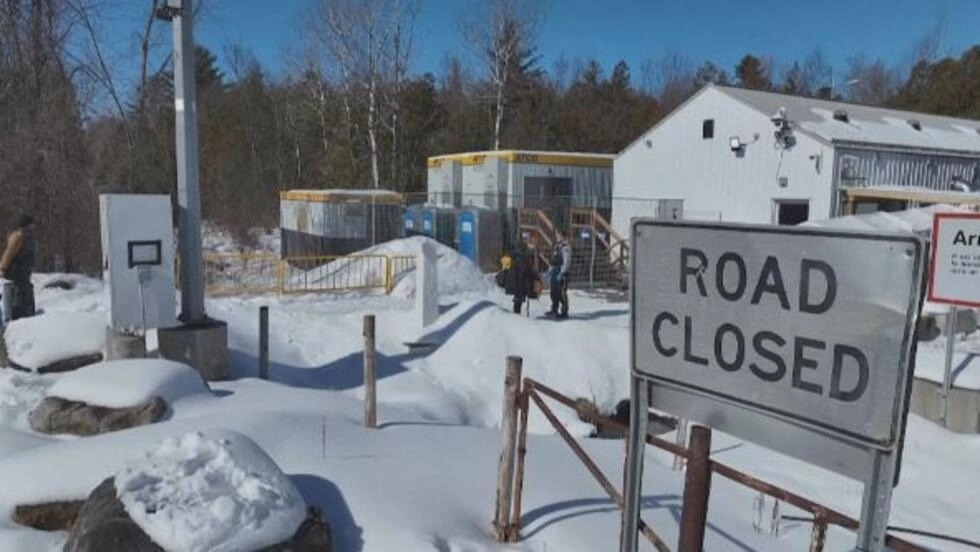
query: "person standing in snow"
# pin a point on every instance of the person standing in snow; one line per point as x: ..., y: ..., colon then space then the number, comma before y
x: 17, y: 265
x: 519, y: 277
x: 561, y: 262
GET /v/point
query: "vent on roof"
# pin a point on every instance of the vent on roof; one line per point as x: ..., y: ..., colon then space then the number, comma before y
x: 914, y: 123
x: 841, y: 115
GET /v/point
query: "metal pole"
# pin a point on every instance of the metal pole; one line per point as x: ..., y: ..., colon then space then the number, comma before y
x: 264, y: 342
x: 188, y: 192
x: 876, y: 504
x: 639, y: 420
x: 508, y: 444
x: 370, y: 374
x: 697, y: 487
x: 948, y: 372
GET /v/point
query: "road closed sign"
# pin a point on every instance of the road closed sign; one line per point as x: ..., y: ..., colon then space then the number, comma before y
x: 955, y: 268
x: 812, y: 328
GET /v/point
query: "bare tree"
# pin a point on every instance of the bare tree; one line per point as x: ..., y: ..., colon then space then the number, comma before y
x: 359, y: 38
x: 670, y: 79
x: 871, y: 82
x: 504, y: 35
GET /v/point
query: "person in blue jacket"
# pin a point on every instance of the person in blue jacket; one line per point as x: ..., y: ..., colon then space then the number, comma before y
x: 561, y: 262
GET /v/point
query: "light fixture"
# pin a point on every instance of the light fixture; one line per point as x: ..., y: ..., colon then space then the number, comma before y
x: 736, y: 144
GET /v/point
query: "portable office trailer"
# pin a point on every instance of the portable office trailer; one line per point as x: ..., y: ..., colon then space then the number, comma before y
x: 317, y: 223
x: 516, y: 179
x: 482, y: 235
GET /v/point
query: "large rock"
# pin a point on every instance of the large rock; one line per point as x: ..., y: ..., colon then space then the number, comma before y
x: 56, y: 415
x: 49, y: 516
x: 104, y: 526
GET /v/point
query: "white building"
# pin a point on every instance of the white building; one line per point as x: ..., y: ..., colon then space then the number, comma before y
x: 760, y: 157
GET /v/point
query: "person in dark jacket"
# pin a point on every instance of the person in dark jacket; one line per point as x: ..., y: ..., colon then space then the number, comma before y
x: 519, y: 278
x: 561, y: 262
x: 17, y: 265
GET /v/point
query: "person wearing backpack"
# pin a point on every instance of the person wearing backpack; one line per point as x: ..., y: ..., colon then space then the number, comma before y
x: 519, y: 277
x: 17, y: 266
x: 561, y: 262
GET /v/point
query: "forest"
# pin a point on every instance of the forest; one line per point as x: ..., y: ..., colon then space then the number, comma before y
x: 350, y: 110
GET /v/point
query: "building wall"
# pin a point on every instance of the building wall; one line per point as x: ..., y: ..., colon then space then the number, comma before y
x: 673, y: 161
x: 861, y: 167
x: 591, y: 186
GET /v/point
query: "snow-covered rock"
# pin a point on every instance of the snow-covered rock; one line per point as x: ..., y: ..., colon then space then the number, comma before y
x: 212, y: 491
x: 40, y: 341
x: 126, y: 383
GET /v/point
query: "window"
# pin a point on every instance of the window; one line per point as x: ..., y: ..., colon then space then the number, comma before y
x: 708, y: 129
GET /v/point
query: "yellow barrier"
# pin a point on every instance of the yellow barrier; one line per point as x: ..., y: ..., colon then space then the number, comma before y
x: 254, y: 273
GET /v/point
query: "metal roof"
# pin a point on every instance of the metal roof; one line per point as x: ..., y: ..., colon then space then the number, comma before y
x: 528, y: 157
x: 865, y: 124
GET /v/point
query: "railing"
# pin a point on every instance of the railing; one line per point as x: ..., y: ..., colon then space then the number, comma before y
x: 256, y: 273
x: 527, y: 391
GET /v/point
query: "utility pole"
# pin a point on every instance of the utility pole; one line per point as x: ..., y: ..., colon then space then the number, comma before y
x: 201, y: 342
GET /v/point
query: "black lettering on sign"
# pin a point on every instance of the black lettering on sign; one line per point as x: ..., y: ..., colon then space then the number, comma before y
x: 690, y: 270
x: 771, y: 281
x: 830, y: 281
x: 723, y: 261
x: 735, y: 364
x: 962, y: 238
x: 841, y: 351
x: 770, y: 355
x: 689, y: 356
x: 800, y: 361
x: 660, y: 319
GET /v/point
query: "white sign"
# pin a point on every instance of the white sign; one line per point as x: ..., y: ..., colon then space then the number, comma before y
x: 798, y: 339
x: 955, y: 268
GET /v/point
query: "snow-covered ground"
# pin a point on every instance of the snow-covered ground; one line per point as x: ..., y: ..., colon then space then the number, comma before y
x: 425, y: 480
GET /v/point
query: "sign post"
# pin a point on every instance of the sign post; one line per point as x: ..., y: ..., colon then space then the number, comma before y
x: 779, y: 336
x: 953, y: 277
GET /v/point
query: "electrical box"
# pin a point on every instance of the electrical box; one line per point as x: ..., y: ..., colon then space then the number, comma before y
x: 138, y: 259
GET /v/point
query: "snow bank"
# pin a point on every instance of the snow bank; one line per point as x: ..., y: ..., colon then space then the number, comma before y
x: 124, y: 383
x: 457, y: 274
x: 41, y: 340
x: 210, y: 491
x: 916, y: 221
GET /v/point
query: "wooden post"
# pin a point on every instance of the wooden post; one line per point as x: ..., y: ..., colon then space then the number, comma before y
x: 264, y: 343
x: 515, y: 520
x: 508, y: 444
x: 697, y: 486
x: 370, y: 374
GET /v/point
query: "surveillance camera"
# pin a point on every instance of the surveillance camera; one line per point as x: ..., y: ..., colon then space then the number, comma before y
x: 779, y: 117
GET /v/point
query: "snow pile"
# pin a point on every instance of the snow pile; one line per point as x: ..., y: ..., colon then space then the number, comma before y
x: 456, y: 273
x: 38, y: 341
x: 125, y: 383
x: 210, y: 491
x: 19, y: 394
x: 916, y: 221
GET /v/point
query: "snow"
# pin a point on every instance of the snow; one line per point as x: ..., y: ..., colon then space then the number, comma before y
x: 214, y: 491
x: 931, y: 361
x: 456, y: 274
x: 125, y: 383
x: 424, y: 480
x: 38, y: 341
x: 917, y: 221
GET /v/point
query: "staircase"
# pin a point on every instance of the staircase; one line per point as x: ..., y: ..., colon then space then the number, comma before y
x: 600, y: 257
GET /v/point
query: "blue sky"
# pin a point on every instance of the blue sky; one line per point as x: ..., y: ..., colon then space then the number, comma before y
x: 633, y: 30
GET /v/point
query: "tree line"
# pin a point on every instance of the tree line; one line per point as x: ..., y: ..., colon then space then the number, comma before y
x: 350, y: 110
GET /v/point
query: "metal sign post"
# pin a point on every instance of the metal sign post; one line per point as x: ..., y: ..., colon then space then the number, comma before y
x: 948, y: 369
x: 777, y: 335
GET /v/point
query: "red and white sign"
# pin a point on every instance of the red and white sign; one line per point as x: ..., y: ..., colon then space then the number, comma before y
x: 954, y: 275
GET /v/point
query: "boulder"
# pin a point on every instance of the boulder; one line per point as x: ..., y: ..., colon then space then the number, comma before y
x: 104, y: 526
x: 69, y: 364
x: 50, y: 516
x: 56, y: 415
